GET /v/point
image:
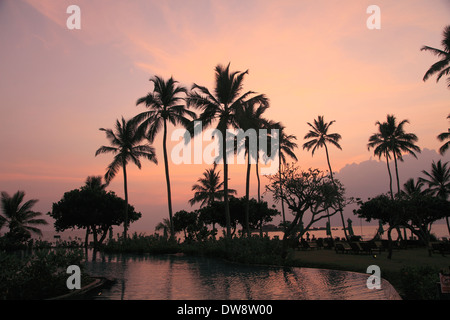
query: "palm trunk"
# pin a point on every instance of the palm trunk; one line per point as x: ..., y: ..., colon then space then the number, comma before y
x: 340, y: 209
x: 247, y: 196
x: 396, y: 173
x: 169, y: 194
x: 225, y: 183
x: 125, y: 187
x: 257, y: 176
x: 390, y: 177
x: 281, y: 195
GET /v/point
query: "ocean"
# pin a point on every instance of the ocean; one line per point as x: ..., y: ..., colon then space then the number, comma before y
x: 367, y: 232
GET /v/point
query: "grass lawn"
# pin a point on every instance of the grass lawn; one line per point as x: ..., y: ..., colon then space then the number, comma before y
x: 390, y: 268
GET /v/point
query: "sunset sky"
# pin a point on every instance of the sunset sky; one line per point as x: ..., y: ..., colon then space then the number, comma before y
x: 59, y: 86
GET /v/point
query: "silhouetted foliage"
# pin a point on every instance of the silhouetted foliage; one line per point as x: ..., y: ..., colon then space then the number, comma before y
x: 95, y: 209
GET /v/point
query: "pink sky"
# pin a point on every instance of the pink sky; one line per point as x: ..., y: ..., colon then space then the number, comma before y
x: 59, y: 86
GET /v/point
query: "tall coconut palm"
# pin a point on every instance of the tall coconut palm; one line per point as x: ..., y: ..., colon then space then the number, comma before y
x: 18, y: 216
x: 442, y: 137
x: 380, y: 143
x: 438, y: 181
x: 165, y: 104
x: 221, y: 107
x: 442, y: 67
x: 125, y: 147
x: 400, y: 142
x: 286, y: 149
x: 319, y: 137
x: 249, y: 117
x: 209, y: 188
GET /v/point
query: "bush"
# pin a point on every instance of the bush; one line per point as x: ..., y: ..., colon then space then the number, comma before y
x: 142, y: 244
x: 39, y: 275
x: 419, y: 283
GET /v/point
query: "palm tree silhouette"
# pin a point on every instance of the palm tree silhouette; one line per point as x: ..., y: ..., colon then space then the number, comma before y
x: 392, y: 138
x: 438, y: 181
x: 164, y: 226
x: 125, y: 146
x: 209, y: 188
x: 19, y: 217
x: 411, y: 187
x: 165, y: 104
x: 95, y: 183
x: 319, y: 138
x: 286, y: 149
x: 380, y: 143
x: 249, y: 117
x: 222, y: 106
x: 442, y: 137
x: 442, y: 67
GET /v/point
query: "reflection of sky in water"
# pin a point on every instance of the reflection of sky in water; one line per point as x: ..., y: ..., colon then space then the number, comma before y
x: 169, y: 277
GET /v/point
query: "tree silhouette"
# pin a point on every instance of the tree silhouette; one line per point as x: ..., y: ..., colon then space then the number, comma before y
x: 438, y: 181
x: 319, y: 137
x: 125, y: 147
x: 19, y: 217
x: 249, y: 117
x: 286, y: 149
x: 222, y: 106
x: 442, y: 67
x: 442, y: 137
x: 165, y: 104
x: 208, y: 188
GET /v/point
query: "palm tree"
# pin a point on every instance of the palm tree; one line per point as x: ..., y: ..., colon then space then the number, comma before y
x: 319, y: 138
x: 381, y: 144
x: 208, y: 188
x: 95, y: 183
x: 442, y: 67
x: 19, y: 217
x: 164, y: 104
x: 438, y: 181
x: 222, y: 106
x: 442, y: 137
x: 392, y: 138
x: 286, y: 149
x: 165, y: 226
x: 125, y: 146
x: 249, y: 117
x: 411, y: 187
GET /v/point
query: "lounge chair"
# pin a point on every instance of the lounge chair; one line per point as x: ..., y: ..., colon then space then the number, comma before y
x: 342, y: 247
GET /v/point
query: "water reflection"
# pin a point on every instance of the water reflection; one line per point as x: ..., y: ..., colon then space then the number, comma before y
x: 176, y: 277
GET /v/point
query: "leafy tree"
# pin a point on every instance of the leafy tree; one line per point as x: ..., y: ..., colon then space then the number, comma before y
x: 91, y: 208
x: 165, y: 104
x: 309, y: 191
x: 222, y: 107
x: 442, y: 67
x: 19, y: 217
x: 125, y: 146
x: 416, y: 212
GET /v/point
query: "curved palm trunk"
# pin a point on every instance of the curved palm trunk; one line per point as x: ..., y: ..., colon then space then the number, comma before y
x: 247, y: 196
x: 340, y: 209
x: 396, y: 173
x: 125, y: 187
x: 281, y: 193
x: 390, y: 177
x: 225, y: 183
x: 169, y: 194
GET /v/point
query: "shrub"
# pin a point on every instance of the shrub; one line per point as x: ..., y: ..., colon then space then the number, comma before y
x: 419, y: 283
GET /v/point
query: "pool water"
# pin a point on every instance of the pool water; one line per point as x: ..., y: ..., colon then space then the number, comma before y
x: 180, y: 277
